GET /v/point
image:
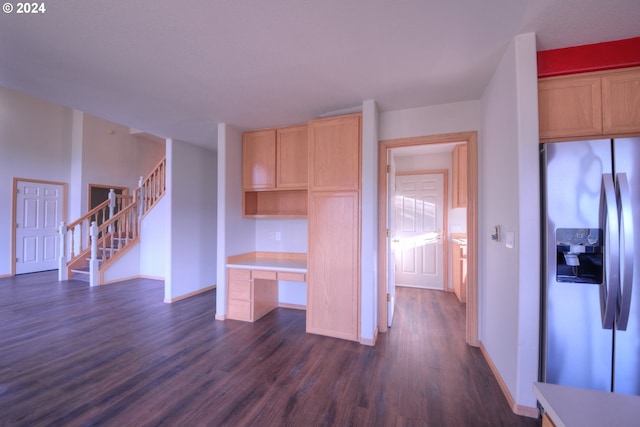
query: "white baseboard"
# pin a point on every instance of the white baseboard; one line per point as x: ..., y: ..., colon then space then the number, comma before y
x: 525, y: 411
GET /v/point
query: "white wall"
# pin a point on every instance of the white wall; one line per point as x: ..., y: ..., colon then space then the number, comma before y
x: 236, y: 235
x: 191, y: 219
x: 293, y: 238
x: 509, y: 278
x: 369, y: 241
x: 293, y: 235
x: 431, y: 120
x: 111, y: 155
x: 34, y: 144
x: 153, y: 240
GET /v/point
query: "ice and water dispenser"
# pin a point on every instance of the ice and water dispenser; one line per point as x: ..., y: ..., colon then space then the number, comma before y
x: 579, y: 255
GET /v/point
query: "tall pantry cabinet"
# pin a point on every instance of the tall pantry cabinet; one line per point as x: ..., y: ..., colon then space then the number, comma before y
x: 333, y: 280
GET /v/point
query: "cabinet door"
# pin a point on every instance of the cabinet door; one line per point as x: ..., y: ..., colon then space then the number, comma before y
x: 459, y: 190
x: 239, y: 296
x: 621, y: 102
x: 334, y: 265
x: 334, y: 153
x: 291, y: 151
x: 259, y: 159
x: 570, y: 106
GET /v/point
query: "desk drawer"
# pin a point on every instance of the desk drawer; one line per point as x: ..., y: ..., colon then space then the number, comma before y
x: 239, y: 273
x: 264, y: 274
x: 239, y: 310
x: 291, y: 277
x: 239, y: 289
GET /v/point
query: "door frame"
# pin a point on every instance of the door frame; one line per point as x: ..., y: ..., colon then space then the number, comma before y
x: 14, y: 207
x: 124, y: 191
x: 471, y: 139
x: 445, y: 217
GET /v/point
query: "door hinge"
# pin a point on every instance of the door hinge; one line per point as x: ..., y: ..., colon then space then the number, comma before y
x: 388, y: 233
x: 388, y: 168
x: 17, y: 225
x: 388, y: 297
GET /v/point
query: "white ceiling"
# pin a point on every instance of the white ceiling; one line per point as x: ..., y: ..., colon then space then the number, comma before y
x: 177, y: 68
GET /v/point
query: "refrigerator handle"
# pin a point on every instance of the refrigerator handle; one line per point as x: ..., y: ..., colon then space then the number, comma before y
x: 626, y: 245
x: 609, y: 224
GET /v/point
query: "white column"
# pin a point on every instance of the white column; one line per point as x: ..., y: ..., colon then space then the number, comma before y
x: 94, y: 266
x: 63, y: 273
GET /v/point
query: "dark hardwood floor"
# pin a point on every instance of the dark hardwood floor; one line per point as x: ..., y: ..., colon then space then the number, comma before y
x: 117, y: 355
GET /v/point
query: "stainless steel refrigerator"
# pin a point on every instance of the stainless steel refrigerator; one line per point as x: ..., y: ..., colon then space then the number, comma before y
x: 591, y: 264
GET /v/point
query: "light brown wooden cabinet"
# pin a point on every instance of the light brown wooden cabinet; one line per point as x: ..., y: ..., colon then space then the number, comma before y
x: 333, y: 292
x: 259, y: 160
x: 621, y: 102
x: 240, y: 295
x: 252, y: 293
x: 334, y: 152
x: 274, y: 172
x: 291, y: 150
x: 459, y: 166
x: 590, y: 104
x: 459, y: 270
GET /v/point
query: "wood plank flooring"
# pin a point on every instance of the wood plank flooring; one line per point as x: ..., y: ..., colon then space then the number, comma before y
x: 116, y: 355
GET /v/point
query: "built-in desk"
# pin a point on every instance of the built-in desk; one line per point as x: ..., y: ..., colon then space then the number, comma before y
x: 252, y: 284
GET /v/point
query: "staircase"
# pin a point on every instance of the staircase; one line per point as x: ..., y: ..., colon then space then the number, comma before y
x: 93, y: 242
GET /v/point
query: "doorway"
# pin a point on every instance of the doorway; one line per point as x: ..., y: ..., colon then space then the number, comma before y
x: 384, y: 213
x: 38, y: 209
x: 419, y: 221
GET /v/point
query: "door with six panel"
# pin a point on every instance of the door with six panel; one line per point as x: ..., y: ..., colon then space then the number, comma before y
x: 39, y: 211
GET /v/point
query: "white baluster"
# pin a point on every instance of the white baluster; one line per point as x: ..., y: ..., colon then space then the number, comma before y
x: 141, y: 206
x: 63, y: 273
x: 94, y: 266
x: 112, y: 206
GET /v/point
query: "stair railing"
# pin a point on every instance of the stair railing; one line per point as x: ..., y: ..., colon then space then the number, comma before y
x: 75, y: 238
x: 112, y: 239
x: 109, y: 228
x: 152, y: 188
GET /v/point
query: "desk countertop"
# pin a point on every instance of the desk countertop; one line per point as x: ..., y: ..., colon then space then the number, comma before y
x: 263, y: 261
x: 570, y: 406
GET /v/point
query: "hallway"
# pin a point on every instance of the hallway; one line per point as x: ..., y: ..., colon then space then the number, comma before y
x: 117, y: 355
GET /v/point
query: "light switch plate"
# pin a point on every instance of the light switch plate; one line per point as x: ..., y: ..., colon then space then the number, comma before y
x: 510, y: 239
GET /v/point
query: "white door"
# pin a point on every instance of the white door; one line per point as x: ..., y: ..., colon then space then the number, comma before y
x: 39, y: 211
x: 419, y: 219
x: 391, y: 256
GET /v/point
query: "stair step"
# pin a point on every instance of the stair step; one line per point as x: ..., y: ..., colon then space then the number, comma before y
x: 81, y: 274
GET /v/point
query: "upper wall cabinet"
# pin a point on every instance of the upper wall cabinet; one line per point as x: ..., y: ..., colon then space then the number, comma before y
x: 621, y: 102
x: 459, y: 163
x: 590, y: 104
x: 334, y: 150
x: 292, y: 157
x: 259, y: 160
x: 274, y: 173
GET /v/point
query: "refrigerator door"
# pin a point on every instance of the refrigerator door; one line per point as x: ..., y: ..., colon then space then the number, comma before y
x: 577, y: 351
x: 627, y: 342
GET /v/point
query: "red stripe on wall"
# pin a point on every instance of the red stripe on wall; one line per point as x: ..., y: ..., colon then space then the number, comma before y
x: 590, y: 57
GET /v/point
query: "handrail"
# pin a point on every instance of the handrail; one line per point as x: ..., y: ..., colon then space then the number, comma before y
x: 152, y: 188
x: 98, y: 209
